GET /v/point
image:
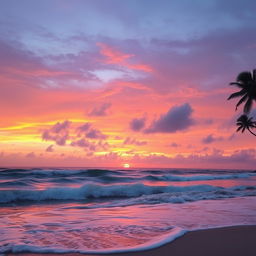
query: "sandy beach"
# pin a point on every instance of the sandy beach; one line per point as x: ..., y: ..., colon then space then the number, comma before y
x: 235, y: 241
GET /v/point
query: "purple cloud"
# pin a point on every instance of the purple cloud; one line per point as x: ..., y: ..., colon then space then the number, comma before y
x: 90, y: 146
x: 84, y: 127
x: 49, y: 149
x: 132, y: 141
x: 95, y: 134
x: 84, y: 144
x: 210, y: 139
x: 174, y: 145
x: 178, y: 118
x: 61, y: 140
x: 58, y: 133
x: 100, y: 110
x: 58, y: 127
x: 137, y: 124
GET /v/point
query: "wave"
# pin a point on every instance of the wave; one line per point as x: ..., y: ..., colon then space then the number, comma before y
x: 119, y: 175
x: 93, y: 191
x: 154, y: 243
x: 52, y: 173
x: 199, y: 177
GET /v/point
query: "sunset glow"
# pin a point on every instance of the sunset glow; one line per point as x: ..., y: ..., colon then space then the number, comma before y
x: 123, y: 81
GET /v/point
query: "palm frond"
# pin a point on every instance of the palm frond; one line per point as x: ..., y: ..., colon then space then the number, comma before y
x: 248, y: 105
x: 237, y: 94
x: 237, y: 84
x: 239, y: 128
x: 241, y: 100
x: 243, y: 118
x: 244, y: 77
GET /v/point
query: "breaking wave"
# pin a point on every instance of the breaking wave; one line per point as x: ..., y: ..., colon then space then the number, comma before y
x: 93, y: 191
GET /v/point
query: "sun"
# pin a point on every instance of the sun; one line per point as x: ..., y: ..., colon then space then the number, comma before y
x: 126, y: 165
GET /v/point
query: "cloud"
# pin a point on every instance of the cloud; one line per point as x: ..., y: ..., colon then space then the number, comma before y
x: 31, y: 155
x: 178, y: 118
x: 83, y: 143
x: 174, y: 145
x: 88, y: 145
x: 95, y: 134
x: 101, y: 110
x: 49, y: 149
x: 80, y: 136
x: 137, y: 124
x: 102, y: 145
x: 210, y: 139
x: 59, y: 139
x: 114, y: 56
x: 132, y: 141
x: 83, y: 129
x: 58, y: 127
x: 188, y: 65
x: 243, y: 159
x: 58, y: 133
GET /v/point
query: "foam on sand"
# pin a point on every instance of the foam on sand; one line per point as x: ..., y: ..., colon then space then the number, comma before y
x: 154, y: 243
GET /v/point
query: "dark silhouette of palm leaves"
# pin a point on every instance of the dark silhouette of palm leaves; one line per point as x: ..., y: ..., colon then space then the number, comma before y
x: 243, y: 122
x: 247, y: 82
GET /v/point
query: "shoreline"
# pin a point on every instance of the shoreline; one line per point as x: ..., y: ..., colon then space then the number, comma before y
x: 221, y: 241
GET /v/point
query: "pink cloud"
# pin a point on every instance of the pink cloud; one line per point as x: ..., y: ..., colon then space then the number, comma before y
x: 114, y: 56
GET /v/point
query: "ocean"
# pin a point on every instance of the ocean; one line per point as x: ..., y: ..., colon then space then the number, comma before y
x: 85, y: 210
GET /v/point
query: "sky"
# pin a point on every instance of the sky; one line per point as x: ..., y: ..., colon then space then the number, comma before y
x: 101, y: 83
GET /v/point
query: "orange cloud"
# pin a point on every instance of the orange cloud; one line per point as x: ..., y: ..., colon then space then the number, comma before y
x: 114, y: 56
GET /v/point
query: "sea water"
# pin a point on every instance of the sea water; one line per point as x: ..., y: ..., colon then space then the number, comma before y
x: 108, y: 210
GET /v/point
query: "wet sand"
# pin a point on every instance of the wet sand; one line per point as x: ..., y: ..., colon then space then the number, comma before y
x: 227, y: 241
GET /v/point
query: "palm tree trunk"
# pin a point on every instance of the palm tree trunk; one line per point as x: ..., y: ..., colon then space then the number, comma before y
x: 251, y: 132
x: 254, y: 74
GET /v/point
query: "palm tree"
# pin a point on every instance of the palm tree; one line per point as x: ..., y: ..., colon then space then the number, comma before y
x: 247, y: 82
x: 243, y: 122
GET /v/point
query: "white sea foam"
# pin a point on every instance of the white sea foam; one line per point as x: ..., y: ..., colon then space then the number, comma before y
x: 154, y: 243
x: 203, y: 177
